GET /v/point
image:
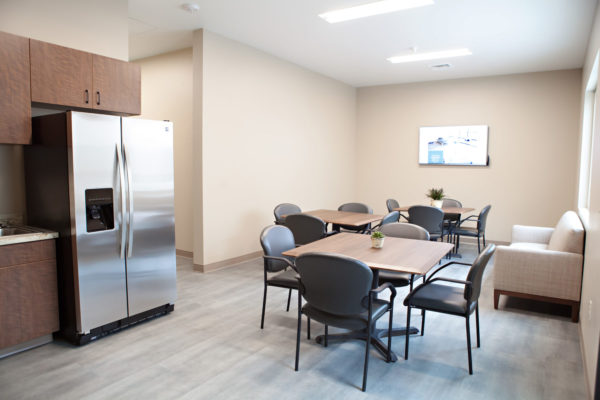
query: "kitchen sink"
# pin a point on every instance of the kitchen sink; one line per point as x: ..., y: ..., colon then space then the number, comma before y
x: 13, y: 231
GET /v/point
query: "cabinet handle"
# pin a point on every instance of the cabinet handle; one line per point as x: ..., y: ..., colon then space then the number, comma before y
x: 98, y: 97
x: 87, y: 96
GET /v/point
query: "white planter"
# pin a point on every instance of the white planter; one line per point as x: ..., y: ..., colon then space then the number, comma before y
x: 377, y: 243
x: 437, y: 203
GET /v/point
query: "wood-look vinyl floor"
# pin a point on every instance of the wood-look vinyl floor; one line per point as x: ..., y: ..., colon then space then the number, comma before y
x: 211, y: 347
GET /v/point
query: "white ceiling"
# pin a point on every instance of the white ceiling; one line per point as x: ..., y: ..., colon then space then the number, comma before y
x: 505, y: 36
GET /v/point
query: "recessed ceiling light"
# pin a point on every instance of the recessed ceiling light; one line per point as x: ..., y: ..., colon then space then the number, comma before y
x: 430, y: 56
x: 369, y: 9
x: 192, y: 8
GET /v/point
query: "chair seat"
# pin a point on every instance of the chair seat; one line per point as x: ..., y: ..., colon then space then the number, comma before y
x: 398, y: 279
x: 442, y: 298
x: 466, y: 231
x: 286, y: 279
x: 351, y: 322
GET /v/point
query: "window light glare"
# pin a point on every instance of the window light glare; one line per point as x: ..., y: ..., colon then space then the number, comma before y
x: 430, y: 56
x: 375, y: 8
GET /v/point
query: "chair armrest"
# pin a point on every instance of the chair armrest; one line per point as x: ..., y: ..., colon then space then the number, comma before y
x: 531, y: 234
x: 462, y: 282
x: 382, y: 287
x: 536, y: 271
x: 285, y: 260
x: 444, y: 266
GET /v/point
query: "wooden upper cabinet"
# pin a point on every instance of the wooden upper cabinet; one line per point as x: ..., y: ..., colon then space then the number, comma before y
x: 117, y: 85
x: 15, y: 100
x: 60, y: 75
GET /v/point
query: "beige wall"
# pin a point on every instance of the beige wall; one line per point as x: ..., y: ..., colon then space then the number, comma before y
x: 167, y: 94
x: 99, y: 27
x: 272, y: 132
x: 533, y: 126
x: 89, y: 25
x: 590, y: 295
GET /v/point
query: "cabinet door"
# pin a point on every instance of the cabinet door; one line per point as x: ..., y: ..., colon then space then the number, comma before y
x: 117, y: 86
x: 15, y: 100
x: 60, y: 75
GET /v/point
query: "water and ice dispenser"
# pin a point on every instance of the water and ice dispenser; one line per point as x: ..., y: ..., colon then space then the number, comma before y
x: 99, y: 209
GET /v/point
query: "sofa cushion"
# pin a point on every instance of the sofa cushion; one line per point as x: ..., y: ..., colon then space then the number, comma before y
x: 533, y: 246
x: 568, y: 234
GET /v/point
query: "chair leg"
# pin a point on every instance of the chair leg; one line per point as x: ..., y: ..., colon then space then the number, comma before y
x: 422, y: 322
x: 389, y: 352
x: 478, y: 245
x: 484, y: 239
x: 326, y: 334
x: 298, y: 331
x: 407, y: 334
x: 262, y: 316
x: 367, y: 344
x: 477, y: 324
x: 469, y: 345
x: 308, y: 328
x: 289, y: 297
x: 496, y: 298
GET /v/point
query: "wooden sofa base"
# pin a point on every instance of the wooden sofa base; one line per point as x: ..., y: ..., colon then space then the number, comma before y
x: 574, y: 304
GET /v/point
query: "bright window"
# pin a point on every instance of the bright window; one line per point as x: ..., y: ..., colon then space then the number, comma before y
x: 589, y: 120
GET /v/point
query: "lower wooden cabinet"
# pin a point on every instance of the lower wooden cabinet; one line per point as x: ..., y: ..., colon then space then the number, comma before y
x: 28, y: 292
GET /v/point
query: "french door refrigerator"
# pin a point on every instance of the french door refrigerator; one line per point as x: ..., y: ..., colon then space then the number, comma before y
x: 105, y: 183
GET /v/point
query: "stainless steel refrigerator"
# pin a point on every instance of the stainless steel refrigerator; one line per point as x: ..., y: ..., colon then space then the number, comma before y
x: 105, y: 183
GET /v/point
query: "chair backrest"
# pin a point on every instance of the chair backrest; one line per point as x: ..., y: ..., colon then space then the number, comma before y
x: 285, y: 209
x: 430, y: 218
x: 356, y: 207
x: 482, y: 220
x: 306, y: 228
x: 391, y: 204
x: 390, y: 218
x: 404, y: 230
x: 475, y: 274
x: 451, y: 203
x: 334, y: 283
x: 276, y: 239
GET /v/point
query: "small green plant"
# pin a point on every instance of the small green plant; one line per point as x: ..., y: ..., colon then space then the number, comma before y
x: 377, y: 235
x: 435, y: 194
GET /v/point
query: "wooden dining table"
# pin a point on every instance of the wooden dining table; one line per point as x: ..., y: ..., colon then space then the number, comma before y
x: 415, y: 257
x: 446, y: 210
x: 345, y: 217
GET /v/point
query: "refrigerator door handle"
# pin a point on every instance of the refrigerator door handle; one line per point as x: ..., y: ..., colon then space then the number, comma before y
x: 130, y: 196
x: 122, y: 194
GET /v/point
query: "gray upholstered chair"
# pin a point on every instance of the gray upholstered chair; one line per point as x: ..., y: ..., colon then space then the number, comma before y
x: 451, y: 219
x: 358, y: 208
x: 434, y: 295
x: 478, y: 231
x: 392, y: 204
x: 407, y: 231
x: 430, y: 218
x: 306, y: 228
x: 278, y: 269
x: 338, y: 292
x: 284, y: 209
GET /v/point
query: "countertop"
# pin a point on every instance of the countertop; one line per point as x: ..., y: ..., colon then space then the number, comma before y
x: 33, y: 235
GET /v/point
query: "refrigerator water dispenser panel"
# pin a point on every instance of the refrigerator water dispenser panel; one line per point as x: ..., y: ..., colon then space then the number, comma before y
x: 99, y: 209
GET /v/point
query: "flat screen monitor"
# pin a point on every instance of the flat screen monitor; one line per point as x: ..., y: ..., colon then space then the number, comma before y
x: 453, y: 145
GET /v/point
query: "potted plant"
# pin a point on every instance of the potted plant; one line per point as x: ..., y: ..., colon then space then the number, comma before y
x: 377, y: 239
x: 436, y: 196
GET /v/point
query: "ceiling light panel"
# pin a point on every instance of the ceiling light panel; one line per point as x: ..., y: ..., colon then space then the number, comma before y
x: 370, y: 9
x: 430, y: 56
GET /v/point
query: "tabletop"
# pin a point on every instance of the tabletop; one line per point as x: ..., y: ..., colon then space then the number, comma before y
x: 345, y: 217
x: 398, y: 254
x: 446, y: 210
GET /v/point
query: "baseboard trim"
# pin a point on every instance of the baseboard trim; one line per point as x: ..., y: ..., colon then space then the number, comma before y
x: 183, y: 253
x: 230, y: 262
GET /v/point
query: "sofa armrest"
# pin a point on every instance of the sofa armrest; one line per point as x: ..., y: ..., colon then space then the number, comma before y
x: 541, y: 272
x: 531, y: 234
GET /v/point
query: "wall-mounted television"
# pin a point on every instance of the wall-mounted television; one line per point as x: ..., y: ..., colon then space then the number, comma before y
x: 453, y: 145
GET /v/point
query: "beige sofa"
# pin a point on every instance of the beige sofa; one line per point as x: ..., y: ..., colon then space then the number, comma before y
x: 543, y: 263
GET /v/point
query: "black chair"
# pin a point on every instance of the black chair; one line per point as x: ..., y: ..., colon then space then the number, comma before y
x: 430, y: 218
x: 451, y: 220
x: 354, y: 207
x: 276, y: 239
x: 284, y: 209
x: 306, y: 228
x: 461, y: 301
x: 338, y: 291
x: 389, y: 218
x: 478, y: 231
x: 407, y: 231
